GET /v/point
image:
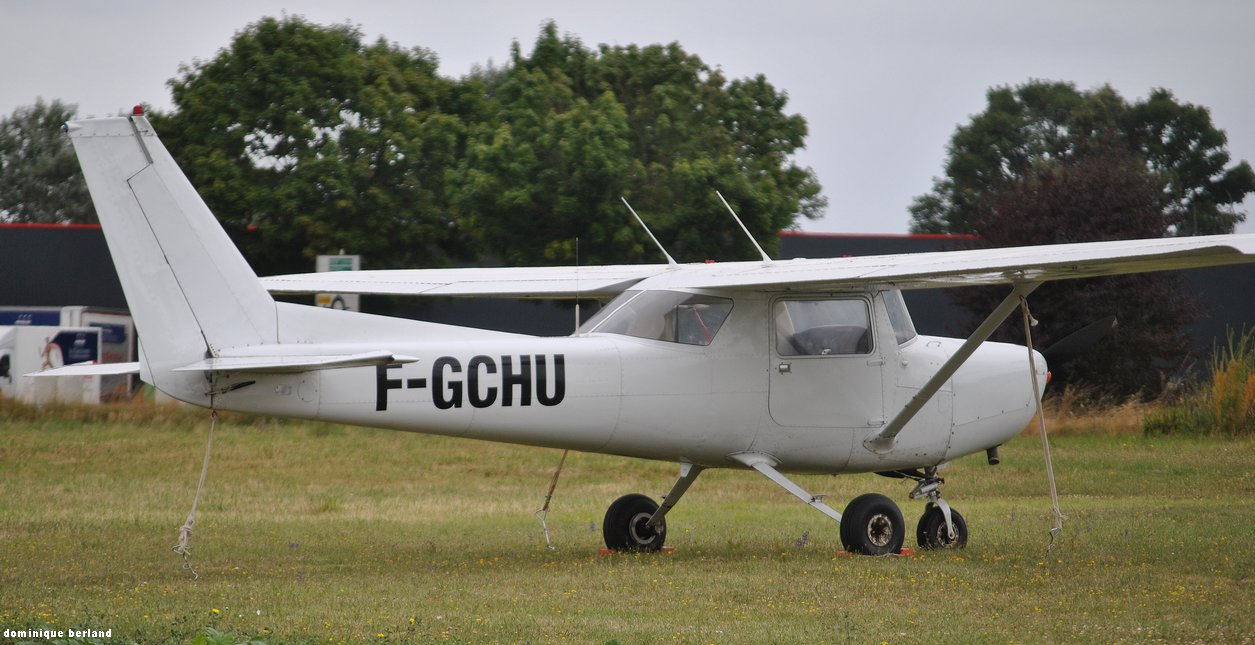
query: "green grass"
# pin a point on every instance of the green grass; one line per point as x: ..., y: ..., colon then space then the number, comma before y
x: 316, y: 533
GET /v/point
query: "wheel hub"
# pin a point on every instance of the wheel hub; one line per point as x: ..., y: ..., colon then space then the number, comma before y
x: 880, y: 530
x: 639, y: 530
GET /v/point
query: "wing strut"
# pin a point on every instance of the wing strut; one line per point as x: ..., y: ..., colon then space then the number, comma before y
x: 882, y: 441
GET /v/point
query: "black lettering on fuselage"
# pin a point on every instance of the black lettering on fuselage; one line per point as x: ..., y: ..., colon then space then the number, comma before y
x: 511, y: 383
x: 521, y: 378
x: 383, y: 384
x: 559, y: 380
x: 445, y: 395
x: 489, y: 395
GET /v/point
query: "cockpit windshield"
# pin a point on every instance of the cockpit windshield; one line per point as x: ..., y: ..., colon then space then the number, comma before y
x: 673, y: 316
x: 899, y: 317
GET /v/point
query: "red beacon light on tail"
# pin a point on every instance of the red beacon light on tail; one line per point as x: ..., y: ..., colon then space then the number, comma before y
x: 138, y: 110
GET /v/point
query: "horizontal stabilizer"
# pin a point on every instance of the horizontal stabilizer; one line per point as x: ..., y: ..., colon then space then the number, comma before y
x: 289, y: 364
x: 91, y: 369
x: 501, y: 282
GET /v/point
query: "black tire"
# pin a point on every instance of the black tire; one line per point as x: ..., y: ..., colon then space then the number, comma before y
x: 624, y: 528
x: 872, y: 525
x: 931, y: 532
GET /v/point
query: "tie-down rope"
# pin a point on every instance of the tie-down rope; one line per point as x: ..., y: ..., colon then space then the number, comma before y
x: 543, y: 513
x: 185, y: 533
x: 1041, y: 426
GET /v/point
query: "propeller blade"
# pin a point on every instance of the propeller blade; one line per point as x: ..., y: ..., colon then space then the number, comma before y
x: 1079, y: 341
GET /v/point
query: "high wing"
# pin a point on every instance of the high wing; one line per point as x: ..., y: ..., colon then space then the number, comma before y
x: 905, y: 271
x: 1014, y: 265
x: 509, y: 282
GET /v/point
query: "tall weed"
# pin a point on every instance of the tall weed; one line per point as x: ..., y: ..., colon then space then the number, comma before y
x: 1223, y: 406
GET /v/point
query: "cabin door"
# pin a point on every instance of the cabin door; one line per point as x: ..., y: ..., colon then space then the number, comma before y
x: 826, y: 370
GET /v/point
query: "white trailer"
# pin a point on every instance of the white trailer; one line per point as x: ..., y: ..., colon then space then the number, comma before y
x: 117, y: 338
x: 33, y: 348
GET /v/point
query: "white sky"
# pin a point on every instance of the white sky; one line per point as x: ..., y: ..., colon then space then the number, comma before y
x: 882, y: 83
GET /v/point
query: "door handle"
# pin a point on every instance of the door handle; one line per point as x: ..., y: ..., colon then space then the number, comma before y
x: 784, y: 368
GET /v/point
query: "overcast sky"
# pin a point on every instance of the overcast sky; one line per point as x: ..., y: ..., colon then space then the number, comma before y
x: 882, y: 84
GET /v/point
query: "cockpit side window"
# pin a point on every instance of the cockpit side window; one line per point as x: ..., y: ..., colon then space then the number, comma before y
x: 823, y: 327
x: 672, y: 316
x: 899, y: 316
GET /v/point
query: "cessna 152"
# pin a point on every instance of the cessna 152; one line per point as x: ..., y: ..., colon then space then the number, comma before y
x: 800, y: 366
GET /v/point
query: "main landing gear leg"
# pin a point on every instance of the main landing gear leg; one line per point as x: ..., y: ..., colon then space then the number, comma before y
x: 636, y: 523
x: 871, y: 524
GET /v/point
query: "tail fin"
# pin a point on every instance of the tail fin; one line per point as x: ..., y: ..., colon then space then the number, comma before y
x: 190, y: 291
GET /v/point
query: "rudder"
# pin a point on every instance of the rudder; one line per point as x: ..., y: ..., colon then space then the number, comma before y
x: 190, y: 291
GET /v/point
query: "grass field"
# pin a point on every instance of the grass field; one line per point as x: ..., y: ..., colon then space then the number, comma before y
x: 316, y: 533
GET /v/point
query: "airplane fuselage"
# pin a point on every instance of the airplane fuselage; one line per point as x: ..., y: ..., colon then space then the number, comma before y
x: 654, y: 399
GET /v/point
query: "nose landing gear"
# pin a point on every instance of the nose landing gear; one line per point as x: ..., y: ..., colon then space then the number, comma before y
x: 941, y: 527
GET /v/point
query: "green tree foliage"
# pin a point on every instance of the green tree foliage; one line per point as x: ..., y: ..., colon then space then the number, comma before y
x: 1044, y: 122
x: 40, y: 179
x: 1102, y: 192
x: 571, y: 130
x: 305, y: 140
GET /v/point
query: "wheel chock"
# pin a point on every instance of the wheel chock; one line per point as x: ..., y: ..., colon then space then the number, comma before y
x: 902, y: 553
x: 666, y: 549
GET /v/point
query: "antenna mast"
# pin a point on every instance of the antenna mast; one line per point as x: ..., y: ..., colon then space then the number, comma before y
x: 670, y: 260
x: 766, y: 258
x: 577, y: 328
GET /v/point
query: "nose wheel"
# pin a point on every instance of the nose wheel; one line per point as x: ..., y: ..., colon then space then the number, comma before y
x: 932, y: 532
x: 940, y: 527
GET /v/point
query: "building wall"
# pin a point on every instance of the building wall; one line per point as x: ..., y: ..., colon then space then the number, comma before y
x: 70, y: 265
x: 55, y: 266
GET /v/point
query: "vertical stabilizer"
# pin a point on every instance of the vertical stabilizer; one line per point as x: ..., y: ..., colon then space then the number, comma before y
x: 190, y: 291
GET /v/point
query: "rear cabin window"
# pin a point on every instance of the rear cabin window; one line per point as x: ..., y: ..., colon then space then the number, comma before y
x: 823, y: 327
x: 672, y: 316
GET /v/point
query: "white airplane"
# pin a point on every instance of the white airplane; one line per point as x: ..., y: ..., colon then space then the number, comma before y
x: 799, y: 366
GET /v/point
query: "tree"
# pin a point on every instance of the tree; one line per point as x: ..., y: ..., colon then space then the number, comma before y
x: 1042, y: 121
x: 304, y: 140
x: 40, y: 179
x: 572, y: 130
x: 1102, y: 192
x: 546, y: 168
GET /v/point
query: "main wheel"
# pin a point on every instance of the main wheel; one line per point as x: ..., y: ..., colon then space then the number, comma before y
x: 872, y: 525
x: 931, y: 532
x: 624, y: 528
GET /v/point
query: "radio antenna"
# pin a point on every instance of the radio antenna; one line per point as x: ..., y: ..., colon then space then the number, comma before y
x: 670, y: 260
x: 766, y: 258
x: 577, y: 328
